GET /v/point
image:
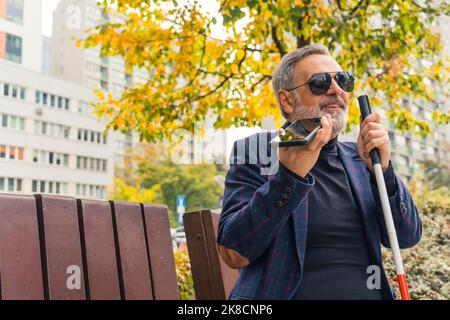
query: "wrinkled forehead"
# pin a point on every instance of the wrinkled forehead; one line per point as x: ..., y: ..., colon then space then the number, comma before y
x: 315, y: 63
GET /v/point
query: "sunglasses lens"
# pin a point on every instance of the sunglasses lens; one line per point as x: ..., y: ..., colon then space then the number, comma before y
x: 320, y: 83
x: 345, y: 80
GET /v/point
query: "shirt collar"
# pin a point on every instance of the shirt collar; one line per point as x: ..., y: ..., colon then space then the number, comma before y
x: 330, y: 148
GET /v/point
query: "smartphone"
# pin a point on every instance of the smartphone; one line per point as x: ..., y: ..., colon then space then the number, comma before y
x: 298, y: 133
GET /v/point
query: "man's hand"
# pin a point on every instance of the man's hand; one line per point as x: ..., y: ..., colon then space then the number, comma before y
x: 301, y: 159
x: 373, y: 134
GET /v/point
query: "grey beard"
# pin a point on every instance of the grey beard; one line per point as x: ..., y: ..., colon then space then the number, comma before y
x: 305, y: 112
x: 341, y: 117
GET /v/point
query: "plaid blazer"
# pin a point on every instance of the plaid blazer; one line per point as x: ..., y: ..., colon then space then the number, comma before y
x: 269, y: 228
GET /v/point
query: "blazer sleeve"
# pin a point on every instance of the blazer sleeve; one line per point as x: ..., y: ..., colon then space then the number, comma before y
x: 255, y: 207
x: 408, y: 225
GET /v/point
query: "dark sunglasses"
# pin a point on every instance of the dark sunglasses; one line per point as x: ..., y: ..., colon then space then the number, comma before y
x: 319, y: 83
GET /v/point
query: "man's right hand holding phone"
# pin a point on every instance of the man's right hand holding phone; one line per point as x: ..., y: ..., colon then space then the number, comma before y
x: 301, y: 159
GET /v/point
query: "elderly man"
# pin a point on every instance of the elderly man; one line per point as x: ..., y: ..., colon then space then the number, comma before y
x: 313, y: 228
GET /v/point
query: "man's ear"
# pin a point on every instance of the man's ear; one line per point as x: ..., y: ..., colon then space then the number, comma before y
x: 286, y: 101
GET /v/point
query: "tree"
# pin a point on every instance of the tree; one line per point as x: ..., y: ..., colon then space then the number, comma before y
x: 196, y: 181
x: 390, y: 46
x: 157, y: 179
x: 437, y: 174
x: 134, y: 193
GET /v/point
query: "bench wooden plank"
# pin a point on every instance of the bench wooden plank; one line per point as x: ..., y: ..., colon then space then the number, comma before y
x: 213, y: 254
x: 63, y: 247
x: 100, y: 250
x: 165, y: 284
x: 205, y: 271
x: 213, y: 279
x: 229, y: 275
x: 133, y: 251
x: 20, y: 257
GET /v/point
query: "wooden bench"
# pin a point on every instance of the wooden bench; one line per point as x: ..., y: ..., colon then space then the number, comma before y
x: 213, y: 279
x: 119, y: 250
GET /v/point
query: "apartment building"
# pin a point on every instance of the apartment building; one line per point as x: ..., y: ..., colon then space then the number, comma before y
x: 49, y: 141
x: 85, y: 66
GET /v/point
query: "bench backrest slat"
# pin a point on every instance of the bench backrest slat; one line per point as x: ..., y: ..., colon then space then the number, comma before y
x: 229, y: 276
x: 20, y: 256
x: 165, y: 286
x: 213, y: 279
x: 101, y: 258
x: 135, y: 269
x: 62, y: 247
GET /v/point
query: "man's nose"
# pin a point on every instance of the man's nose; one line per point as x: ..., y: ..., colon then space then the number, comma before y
x: 334, y: 88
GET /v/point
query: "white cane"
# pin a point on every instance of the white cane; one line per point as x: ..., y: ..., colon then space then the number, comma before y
x: 364, y: 106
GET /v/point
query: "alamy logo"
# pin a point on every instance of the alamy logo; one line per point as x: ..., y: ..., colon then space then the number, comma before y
x: 374, y: 280
x: 205, y: 145
x: 74, y: 17
x: 74, y: 280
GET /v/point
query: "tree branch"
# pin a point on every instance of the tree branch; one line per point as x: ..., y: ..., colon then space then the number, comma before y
x: 264, y: 77
x: 231, y: 75
x: 201, y: 63
x: 356, y: 7
x: 223, y: 75
x: 213, y: 90
x: 277, y: 41
x: 301, y: 42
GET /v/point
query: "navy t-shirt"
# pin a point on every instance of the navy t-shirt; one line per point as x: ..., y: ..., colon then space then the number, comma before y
x: 337, y: 254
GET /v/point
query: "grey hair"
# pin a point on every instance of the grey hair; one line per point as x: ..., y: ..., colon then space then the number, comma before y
x: 283, y: 75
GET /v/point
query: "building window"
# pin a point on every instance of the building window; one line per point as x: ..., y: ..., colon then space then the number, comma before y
x: 128, y: 79
x: 11, y: 152
x: 51, y: 100
x: 13, y: 91
x: 54, y: 187
x: 51, y: 158
x: 10, y: 184
x: 12, y: 122
x: 55, y: 130
x: 403, y: 160
x: 104, y: 73
x: 15, y: 11
x: 104, y: 85
x: 88, y: 190
x: 6, y: 89
x: 92, y: 164
x: 391, y: 136
x: 91, y: 136
x: 13, y: 48
x: 83, y: 108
